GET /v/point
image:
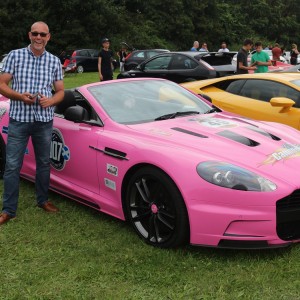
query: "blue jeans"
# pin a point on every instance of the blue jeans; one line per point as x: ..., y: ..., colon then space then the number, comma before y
x: 18, y: 136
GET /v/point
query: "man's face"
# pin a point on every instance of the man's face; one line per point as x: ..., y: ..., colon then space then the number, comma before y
x: 106, y: 44
x: 258, y: 48
x: 223, y: 45
x: 249, y: 47
x: 39, y: 37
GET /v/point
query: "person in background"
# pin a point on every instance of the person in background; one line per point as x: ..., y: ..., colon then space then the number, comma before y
x: 294, y: 54
x: 242, y: 58
x: 203, y: 48
x: 276, y: 52
x: 260, y: 59
x: 30, y: 116
x: 122, y: 55
x: 195, y: 46
x: 223, y: 48
x: 105, y: 59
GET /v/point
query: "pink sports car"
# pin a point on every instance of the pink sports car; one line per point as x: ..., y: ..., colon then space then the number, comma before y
x: 179, y: 170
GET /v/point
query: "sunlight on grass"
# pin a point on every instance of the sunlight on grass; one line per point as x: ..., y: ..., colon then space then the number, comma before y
x: 80, y: 253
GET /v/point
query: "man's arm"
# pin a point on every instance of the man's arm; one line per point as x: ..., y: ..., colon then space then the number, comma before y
x: 99, y: 67
x: 8, y: 92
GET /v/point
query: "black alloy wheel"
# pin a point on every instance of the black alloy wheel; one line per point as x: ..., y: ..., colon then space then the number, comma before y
x: 156, y: 209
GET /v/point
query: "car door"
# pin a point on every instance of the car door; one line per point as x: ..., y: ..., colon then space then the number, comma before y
x: 94, y: 59
x: 73, y: 160
x: 254, y: 101
x: 182, y: 68
x: 156, y: 67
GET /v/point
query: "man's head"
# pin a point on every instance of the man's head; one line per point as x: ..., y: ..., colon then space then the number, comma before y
x: 276, y: 45
x: 204, y: 45
x: 196, y: 44
x: 105, y: 43
x: 39, y: 36
x: 247, y: 44
x: 223, y: 45
x: 258, y: 47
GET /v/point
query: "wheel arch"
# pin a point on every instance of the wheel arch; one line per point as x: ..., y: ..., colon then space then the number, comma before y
x: 125, y: 184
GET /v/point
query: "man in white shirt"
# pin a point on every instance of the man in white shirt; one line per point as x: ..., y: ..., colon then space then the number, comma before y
x: 223, y: 48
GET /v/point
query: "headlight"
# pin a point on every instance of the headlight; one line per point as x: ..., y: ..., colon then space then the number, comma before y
x: 233, y: 177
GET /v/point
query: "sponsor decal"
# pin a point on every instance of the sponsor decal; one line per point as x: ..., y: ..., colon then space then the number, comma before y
x: 110, y: 183
x: 59, y: 152
x: 160, y: 131
x: 215, y: 122
x: 113, y: 170
x: 2, y: 112
x: 286, y: 152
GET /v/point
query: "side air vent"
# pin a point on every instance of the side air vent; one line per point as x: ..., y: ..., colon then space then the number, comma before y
x: 238, y: 138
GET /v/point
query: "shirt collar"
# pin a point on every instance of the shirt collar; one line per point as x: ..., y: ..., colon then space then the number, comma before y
x: 31, y: 53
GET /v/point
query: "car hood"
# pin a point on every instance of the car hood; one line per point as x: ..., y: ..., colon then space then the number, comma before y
x: 258, y: 146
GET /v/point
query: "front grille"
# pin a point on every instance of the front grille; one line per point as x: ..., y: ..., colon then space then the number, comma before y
x: 288, y: 217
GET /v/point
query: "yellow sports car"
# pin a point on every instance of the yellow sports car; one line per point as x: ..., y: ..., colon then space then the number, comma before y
x: 269, y: 96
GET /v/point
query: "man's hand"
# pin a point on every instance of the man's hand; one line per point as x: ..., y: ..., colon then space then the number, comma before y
x: 46, y: 102
x: 28, y: 98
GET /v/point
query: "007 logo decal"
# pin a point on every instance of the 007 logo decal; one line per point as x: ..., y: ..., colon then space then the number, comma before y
x: 59, y: 153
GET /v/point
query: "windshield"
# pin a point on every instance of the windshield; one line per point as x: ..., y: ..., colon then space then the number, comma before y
x: 130, y: 102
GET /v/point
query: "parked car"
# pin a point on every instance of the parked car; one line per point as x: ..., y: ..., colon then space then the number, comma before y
x: 151, y: 152
x: 269, y: 52
x: 264, y: 96
x: 221, y: 61
x: 136, y: 57
x: 175, y: 66
x: 84, y: 60
x: 291, y: 69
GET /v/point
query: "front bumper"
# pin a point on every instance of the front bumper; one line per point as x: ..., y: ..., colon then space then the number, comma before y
x: 244, y: 226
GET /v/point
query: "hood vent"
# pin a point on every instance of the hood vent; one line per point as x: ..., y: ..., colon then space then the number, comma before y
x: 265, y: 133
x: 238, y: 138
x: 189, y: 132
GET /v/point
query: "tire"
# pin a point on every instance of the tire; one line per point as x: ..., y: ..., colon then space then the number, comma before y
x: 156, y: 209
x: 2, y: 157
x: 80, y: 69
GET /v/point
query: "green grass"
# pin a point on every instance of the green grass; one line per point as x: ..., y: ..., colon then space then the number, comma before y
x: 80, y: 253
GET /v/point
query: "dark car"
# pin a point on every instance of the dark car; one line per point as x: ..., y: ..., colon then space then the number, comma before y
x: 175, y: 66
x: 138, y: 56
x: 84, y: 59
x: 221, y: 61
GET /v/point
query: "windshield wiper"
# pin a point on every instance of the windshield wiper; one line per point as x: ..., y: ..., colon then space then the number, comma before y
x: 176, y: 114
x: 213, y: 109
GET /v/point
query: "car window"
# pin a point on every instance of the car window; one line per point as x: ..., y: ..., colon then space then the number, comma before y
x: 83, y: 53
x: 182, y: 62
x: 144, y: 101
x: 265, y: 90
x: 235, y: 86
x: 94, y: 53
x: 140, y: 54
x: 152, y: 53
x: 158, y: 63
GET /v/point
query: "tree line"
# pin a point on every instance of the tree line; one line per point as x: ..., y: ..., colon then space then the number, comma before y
x: 171, y: 24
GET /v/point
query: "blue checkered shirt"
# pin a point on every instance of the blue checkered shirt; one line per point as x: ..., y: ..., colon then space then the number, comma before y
x: 32, y: 74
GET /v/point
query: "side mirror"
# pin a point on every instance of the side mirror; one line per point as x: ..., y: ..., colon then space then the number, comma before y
x: 283, y: 102
x: 76, y: 114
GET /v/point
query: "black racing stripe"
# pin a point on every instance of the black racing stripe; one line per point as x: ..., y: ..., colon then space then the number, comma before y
x: 238, y: 138
x: 189, y: 132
